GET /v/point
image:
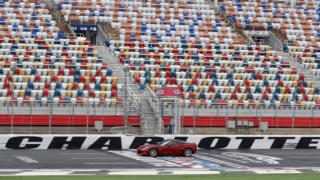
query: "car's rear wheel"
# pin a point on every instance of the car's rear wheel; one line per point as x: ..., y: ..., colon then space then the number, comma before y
x: 187, y: 152
x: 153, y: 153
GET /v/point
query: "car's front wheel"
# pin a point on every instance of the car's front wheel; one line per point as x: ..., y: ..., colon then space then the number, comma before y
x: 153, y: 153
x: 187, y: 152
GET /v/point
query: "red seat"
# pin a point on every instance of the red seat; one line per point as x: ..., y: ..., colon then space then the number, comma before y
x: 103, y: 79
x: 82, y: 79
x: 47, y: 85
x: 113, y: 93
x: 9, y: 77
x: 45, y: 92
x: 86, y: 86
x: 91, y: 93
x: 61, y: 71
x: 92, y: 79
x: 98, y: 72
x: 75, y: 86
x: 104, y: 66
x: 37, y: 78
x: 6, y: 85
x: 54, y: 78
x: 114, y: 87
x: 17, y: 70
x: 9, y: 92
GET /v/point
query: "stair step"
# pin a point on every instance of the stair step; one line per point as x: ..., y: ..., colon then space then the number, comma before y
x: 149, y: 124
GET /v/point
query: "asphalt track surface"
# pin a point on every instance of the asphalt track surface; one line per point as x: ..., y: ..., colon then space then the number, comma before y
x: 69, y: 162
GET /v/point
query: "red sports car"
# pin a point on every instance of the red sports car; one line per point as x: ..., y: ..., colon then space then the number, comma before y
x: 168, y: 147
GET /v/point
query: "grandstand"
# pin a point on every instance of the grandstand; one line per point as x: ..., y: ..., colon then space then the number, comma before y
x: 75, y: 62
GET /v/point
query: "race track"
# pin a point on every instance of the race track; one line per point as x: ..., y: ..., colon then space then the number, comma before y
x: 89, y: 162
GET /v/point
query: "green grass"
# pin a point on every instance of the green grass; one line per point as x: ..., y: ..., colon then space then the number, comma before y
x: 306, y: 176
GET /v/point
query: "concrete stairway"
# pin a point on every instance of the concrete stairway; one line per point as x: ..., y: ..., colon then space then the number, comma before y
x: 149, y: 124
x: 143, y: 106
x: 300, y: 69
x: 280, y: 36
x: 63, y: 26
x: 107, y: 28
x: 243, y: 37
x: 131, y: 107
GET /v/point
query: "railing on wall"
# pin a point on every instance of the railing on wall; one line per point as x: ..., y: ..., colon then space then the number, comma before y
x: 205, y: 112
x: 80, y: 118
x: 214, y: 119
x: 65, y: 117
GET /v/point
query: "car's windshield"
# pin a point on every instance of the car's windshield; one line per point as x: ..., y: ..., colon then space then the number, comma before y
x: 164, y: 143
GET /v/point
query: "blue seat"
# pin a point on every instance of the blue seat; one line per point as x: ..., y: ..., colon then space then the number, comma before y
x: 257, y: 89
x: 37, y: 99
x: 2, y: 22
x: 76, y: 78
x: 58, y: 86
x: 30, y: 85
x: 109, y: 72
x: 33, y: 71
x: 97, y: 87
x: 202, y: 96
x: 27, y: 92
x: 79, y: 93
x: 142, y: 86
x: 57, y: 93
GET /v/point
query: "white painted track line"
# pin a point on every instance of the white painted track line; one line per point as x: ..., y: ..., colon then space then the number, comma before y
x: 43, y: 173
x: 26, y: 159
x: 274, y: 171
x: 82, y: 153
x: 96, y: 158
x: 291, y: 153
x: 194, y: 172
x: 135, y: 173
x: 95, y: 163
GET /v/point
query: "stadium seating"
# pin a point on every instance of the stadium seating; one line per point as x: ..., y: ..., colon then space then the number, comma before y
x: 186, y: 44
x: 38, y: 66
x: 297, y: 20
x: 67, y: 70
x: 166, y: 43
x: 27, y: 19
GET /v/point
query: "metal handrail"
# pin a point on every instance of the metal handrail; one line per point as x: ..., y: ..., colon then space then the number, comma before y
x: 151, y: 99
x: 155, y: 104
x: 278, y: 43
x: 198, y: 104
x: 135, y: 99
x: 301, y: 68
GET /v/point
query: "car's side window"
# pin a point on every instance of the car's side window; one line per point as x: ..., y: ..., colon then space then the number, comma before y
x: 174, y: 143
x: 178, y: 143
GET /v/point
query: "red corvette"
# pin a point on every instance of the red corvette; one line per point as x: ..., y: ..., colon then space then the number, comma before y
x: 168, y: 147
